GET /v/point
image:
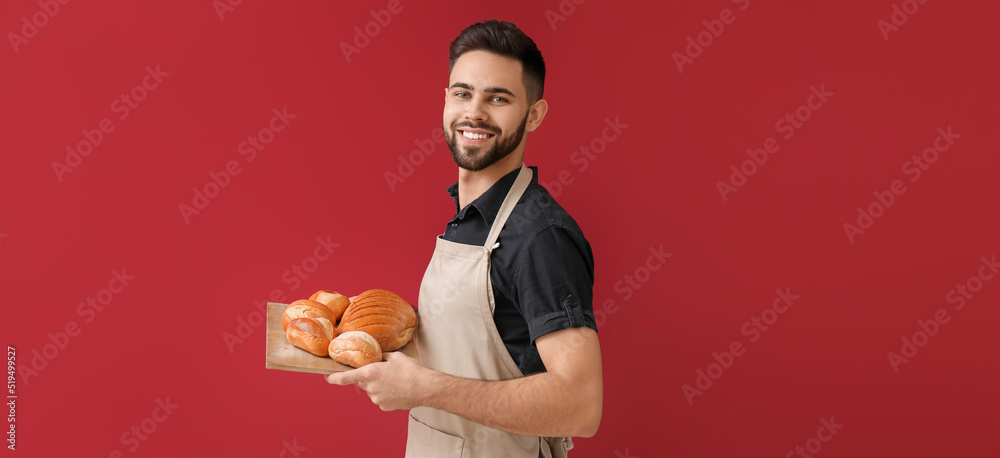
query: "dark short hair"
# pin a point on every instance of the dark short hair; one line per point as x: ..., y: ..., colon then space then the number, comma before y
x: 505, y: 39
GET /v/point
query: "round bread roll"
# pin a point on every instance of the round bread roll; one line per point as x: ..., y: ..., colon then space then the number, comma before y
x: 355, y: 349
x: 382, y: 314
x: 311, y: 334
x: 305, y: 310
x: 333, y: 300
x: 329, y: 329
x: 308, y: 302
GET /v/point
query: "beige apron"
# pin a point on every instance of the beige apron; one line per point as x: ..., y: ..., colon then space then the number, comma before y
x: 457, y: 335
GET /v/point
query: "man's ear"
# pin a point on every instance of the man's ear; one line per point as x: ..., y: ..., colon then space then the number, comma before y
x: 536, y: 114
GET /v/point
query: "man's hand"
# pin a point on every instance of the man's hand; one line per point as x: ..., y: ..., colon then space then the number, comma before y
x: 566, y: 400
x: 395, y: 383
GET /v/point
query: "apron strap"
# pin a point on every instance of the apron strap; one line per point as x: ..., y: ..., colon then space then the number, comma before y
x: 507, y: 207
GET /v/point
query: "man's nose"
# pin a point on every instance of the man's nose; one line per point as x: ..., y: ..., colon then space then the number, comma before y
x: 474, y: 111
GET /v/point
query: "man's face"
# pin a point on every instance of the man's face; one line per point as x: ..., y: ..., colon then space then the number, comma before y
x: 485, y: 109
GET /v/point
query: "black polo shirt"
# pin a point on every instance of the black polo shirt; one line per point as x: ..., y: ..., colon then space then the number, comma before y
x: 542, y: 272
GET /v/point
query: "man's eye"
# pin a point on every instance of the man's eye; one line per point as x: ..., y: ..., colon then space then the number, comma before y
x: 462, y: 95
x: 499, y: 99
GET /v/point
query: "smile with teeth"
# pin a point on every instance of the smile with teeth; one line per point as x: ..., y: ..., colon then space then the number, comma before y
x: 475, y: 136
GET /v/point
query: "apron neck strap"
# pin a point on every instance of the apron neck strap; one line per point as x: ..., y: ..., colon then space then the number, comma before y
x: 507, y: 207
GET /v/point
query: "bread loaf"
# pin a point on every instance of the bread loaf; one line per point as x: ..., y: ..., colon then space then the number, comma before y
x: 311, y: 334
x: 355, y: 349
x: 336, y: 302
x: 382, y: 314
x: 305, y: 309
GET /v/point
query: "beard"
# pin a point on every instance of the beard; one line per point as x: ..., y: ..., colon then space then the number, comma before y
x: 472, y: 158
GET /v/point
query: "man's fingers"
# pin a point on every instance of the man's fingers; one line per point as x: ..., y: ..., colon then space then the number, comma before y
x: 337, y: 378
x: 345, y: 378
x: 390, y: 355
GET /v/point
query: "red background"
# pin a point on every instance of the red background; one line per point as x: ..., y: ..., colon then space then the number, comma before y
x: 654, y: 186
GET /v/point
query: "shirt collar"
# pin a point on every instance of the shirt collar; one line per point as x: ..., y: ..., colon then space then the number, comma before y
x: 488, y: 204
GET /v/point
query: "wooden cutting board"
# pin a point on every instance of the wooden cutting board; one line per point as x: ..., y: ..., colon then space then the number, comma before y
x: 284, y: 356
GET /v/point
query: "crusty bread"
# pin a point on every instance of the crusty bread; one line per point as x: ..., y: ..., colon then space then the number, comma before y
x: 336, y: 302
x: 382, y: 314
x: 329, y: 329
x: 308, y: 302
x: 305, y: 309
x: 355, y: 349
x: 311, y: 334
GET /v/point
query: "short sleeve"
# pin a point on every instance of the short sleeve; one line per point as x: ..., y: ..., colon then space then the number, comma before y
x: 554, y: 282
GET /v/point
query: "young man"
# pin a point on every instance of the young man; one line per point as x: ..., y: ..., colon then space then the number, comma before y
x: 510, y: 363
